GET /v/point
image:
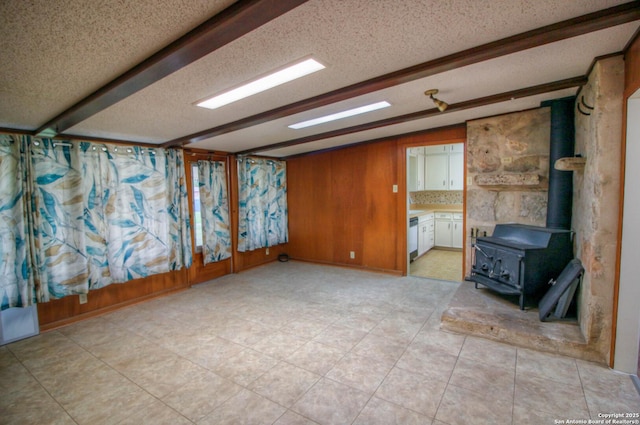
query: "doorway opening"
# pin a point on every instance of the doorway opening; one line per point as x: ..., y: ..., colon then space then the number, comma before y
x: 627, y: 343
x: 435, y: 197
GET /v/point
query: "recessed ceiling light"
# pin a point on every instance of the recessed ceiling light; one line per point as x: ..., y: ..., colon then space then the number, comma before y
x: 340, y: 115
x: 290, y: 73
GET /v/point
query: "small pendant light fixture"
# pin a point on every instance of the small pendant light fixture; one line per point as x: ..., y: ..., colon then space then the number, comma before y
x: 442, y: 106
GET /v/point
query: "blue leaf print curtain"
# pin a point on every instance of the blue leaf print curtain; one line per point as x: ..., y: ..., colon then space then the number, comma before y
x: 178, y: 211
x: 16, y: 284
x: 61, y: 262
x: 263, y: 215
x: 146, y: 212
x: 214, y: 207
x: 95, y: 214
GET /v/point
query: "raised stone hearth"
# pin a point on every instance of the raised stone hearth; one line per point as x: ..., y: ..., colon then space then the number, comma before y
x: 483, y: 313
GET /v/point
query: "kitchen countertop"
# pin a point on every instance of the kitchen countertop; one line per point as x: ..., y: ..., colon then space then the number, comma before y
x: 419, y: 210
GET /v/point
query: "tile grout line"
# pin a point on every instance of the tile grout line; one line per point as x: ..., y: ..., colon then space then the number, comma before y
x: 513, y: 401
x: 449, y: 380
x: 584, y: 394
x: 391, y: 368
x: 40, y: 383
x: 133, y: 382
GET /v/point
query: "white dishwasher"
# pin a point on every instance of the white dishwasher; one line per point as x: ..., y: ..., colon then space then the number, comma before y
x: 413, y: 238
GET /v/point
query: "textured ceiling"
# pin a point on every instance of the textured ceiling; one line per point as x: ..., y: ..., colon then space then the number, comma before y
x: 58, y: 52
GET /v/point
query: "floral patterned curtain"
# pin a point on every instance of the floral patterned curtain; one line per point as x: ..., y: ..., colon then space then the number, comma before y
x: 263, y: 214
x: 101, y: 214
x: 214, y: 207
x: 16, y: 284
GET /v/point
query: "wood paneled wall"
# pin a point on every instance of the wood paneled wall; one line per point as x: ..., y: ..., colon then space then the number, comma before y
x: 632, y: 68
x: 343, y: 200
x: 67, y: 310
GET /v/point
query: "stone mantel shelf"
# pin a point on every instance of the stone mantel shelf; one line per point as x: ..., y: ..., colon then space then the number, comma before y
x: 575, y: 163
x: 510, y: 179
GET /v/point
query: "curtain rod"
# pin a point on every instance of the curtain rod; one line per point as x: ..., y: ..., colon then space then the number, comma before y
x: 114, y: 149
x: 240, y: 158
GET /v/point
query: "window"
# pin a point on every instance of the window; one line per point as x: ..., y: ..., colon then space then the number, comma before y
x: 197, y: 216
x: 211, y: 227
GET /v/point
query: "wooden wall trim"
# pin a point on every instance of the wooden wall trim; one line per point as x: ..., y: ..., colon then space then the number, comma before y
x: 631, y: 85
x: 199, y: 272
x: 351, y: 266
x: 63, y: 311
x: 437, y: 130
x: 453, y: 134
x: 75, y: 138
x: 454, y: 107
x: 232, y: 23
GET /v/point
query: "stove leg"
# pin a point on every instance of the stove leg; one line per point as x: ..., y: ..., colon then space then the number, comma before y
x: 521, y: 301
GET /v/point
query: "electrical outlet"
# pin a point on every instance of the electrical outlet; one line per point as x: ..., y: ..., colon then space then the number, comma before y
x: 82, y: 298
x: 267, y: 251
x: 352, y: 254
x: 469, y: 181
x: 507, y: 160
x: 395, y: 188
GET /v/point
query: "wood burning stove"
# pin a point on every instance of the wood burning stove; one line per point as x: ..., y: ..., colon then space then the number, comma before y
x: 520, y: 260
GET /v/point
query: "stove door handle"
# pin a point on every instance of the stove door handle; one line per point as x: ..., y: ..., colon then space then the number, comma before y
x: 489, y: 257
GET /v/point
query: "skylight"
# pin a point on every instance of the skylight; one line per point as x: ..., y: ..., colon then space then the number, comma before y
x: 290, y: 73
x: 341, y: 115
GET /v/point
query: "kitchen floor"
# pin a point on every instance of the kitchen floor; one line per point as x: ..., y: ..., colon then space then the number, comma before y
x: 438, y: 264
x: 295, y: 343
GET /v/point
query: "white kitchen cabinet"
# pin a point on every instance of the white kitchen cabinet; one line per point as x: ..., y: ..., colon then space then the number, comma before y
x: 420, y: 163
x: 416, y: 169
x: 436, y: 149
x: 425, y: 233
x: 444, y: 167
x: 444, y: 230
x: 456, y: 148
x: 457, y: 233
x: 456, y: 171
x: 437, y: 172
x: 449, y: 230
x: 448, y: 148
x: 412, y: 179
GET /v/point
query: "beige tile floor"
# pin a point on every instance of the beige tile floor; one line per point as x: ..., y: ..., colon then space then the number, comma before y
x: 294, y: 343
x: 438, y: 264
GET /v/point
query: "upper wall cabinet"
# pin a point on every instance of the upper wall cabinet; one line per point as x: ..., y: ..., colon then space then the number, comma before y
x: 437, y: 171
x: 456, y: 170
x: 416, y: 169
x: 444, y: 167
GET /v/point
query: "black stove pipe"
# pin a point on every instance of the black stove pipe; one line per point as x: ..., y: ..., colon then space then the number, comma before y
x: 562, y: 141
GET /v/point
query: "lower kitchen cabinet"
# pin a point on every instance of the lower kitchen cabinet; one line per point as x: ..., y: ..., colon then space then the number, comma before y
x: 449, y: 231
x: 425, y: 233
x: 457, y: 233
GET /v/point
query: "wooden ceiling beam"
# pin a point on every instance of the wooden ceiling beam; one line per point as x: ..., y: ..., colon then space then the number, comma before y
x: 469, y: 104
x: 232, y: 23
x: 580, y: 25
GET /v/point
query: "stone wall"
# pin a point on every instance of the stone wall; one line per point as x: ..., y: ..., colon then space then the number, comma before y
x: 507, y: 171
x: 507, y: 162
x: 597, y: 196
